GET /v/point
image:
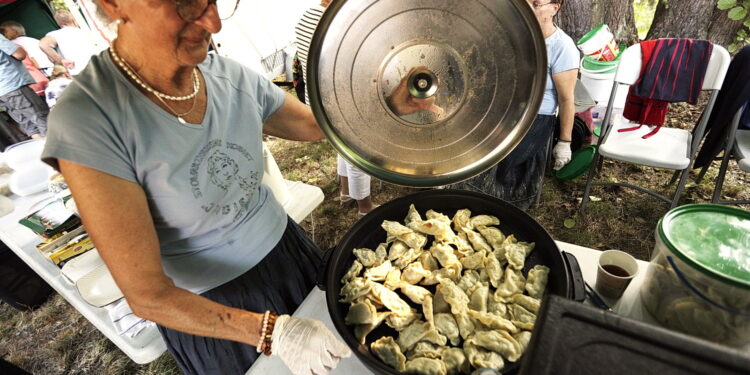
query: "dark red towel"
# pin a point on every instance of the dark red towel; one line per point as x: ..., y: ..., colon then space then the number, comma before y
x: 672, y: 70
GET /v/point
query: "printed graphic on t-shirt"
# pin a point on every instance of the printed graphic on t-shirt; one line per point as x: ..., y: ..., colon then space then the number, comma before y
x: 220, y: 163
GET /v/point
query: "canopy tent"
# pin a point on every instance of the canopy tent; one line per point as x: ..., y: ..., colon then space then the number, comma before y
x: 34, y: 15
x: 260, y: 35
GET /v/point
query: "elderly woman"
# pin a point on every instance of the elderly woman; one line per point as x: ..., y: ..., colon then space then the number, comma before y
x: 161, y: 147
x: 518, y: 178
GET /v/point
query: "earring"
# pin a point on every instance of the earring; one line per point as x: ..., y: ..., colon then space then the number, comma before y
x: 118, y: 21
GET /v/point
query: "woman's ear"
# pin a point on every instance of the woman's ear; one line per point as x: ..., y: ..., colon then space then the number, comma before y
x: 111, y: 8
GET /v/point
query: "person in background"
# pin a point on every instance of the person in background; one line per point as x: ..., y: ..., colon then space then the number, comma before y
x: 354, y: 184
x: 17, y: 33
x: 40, y: 79
x: 75, y: 46
x: 161, y: 146
x: 26, y: 108
x: 518, y: 178
x: 59, y: 81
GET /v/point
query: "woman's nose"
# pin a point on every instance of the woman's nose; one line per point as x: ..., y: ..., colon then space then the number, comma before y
x: 210, y: 20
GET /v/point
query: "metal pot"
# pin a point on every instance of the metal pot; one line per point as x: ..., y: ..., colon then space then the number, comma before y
x: 565, y: 279
x: 481, y: 64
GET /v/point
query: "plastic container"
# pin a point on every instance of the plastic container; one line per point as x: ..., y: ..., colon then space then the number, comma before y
x: 603, y: 67
x: 599, y: 44
x: 31, y: 178
x: 18, y: 154
x: 698, y: 281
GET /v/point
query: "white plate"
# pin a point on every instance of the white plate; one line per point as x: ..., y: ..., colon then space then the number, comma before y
x: 98, y: 288
x: 80, y: 266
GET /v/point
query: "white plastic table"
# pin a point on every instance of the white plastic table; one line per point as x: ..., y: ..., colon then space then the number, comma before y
x: 314, y: 307
x: 147, y: 345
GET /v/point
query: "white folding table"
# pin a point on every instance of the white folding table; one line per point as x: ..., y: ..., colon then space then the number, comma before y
x: 148, y: 344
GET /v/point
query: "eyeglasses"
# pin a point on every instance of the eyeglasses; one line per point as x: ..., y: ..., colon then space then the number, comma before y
x: 191, y: 10
x: 539, y: 4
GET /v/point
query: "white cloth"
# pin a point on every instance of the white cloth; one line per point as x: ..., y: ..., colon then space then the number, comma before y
x: 359, y: 182
x: 126, y: 323
x: 31, y: 46
x: 75, y: 45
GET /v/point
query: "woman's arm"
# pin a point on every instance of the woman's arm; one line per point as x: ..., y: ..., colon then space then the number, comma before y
x: 116, y: 215
x: 293, y: 121
x: 565, y: 85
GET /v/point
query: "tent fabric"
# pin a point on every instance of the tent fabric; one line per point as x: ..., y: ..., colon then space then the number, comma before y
x: 34, y: 15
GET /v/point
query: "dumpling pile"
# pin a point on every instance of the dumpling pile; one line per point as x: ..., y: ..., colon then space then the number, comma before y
x: 471, y: 306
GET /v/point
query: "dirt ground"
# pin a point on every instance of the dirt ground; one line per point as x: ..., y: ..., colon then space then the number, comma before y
x: 56, y: 339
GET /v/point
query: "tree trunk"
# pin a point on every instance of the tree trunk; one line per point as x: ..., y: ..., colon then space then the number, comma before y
x: 682, y: 19
x: 577, y: 17
x: 722, y: 30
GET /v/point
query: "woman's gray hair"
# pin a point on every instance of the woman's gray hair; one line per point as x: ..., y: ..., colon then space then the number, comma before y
x: 15, y: 26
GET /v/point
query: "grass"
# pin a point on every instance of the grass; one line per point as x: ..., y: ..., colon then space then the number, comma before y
x: 55, y: 339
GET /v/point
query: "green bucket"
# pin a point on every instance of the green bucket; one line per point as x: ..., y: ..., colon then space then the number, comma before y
x: 603, y: 67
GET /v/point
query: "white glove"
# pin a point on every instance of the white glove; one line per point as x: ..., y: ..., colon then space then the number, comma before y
x: 306, y: 346
x: 562, y: 154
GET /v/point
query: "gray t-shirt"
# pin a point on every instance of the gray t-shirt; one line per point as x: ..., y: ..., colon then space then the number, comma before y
x: 213, y: 217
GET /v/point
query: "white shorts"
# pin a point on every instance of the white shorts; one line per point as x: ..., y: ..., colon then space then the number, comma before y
x: 359, y: 182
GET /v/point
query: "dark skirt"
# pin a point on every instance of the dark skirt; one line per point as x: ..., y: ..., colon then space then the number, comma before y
x: 278, y: 283
x: 518, y: 178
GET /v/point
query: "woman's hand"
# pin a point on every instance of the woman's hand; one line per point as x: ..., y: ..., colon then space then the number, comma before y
x: 402, y: 103
x: 562, y: 154
x: 306, y: 346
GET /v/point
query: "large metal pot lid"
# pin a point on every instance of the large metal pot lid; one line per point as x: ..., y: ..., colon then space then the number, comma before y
x: 426, y: 92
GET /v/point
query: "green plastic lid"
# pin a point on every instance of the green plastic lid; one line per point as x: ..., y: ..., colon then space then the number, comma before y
x: 598, y: 131
x: 578, y: 165
x: 711, y: 238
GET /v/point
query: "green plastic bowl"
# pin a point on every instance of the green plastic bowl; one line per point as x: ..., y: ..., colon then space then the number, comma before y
x: 603, y: 67
x: 578, y: 165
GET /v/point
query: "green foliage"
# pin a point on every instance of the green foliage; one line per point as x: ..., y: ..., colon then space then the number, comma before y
x: 58, y: 4
x: 643, y: 11
x: 738, y: 11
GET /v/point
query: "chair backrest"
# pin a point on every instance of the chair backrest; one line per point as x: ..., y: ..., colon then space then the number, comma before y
x: 629, y: 68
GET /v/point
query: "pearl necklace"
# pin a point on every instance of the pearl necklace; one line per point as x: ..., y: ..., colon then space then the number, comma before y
x: 135, y: 77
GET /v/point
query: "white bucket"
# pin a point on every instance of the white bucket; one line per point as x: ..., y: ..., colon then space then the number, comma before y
x: 599, y: 44
x: 600, y: 87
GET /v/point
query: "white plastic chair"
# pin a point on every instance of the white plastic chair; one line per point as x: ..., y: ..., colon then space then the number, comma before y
x: 669, y: 148
x: 737, y: 148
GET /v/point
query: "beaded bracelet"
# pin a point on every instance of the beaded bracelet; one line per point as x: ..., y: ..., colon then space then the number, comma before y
x: 269, y: 333
x: 264, y: 326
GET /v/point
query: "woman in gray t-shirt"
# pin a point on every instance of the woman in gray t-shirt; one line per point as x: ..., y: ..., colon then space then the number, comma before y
x: 161, y: 146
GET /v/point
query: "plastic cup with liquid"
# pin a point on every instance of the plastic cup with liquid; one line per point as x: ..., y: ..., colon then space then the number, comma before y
x: 615, y: 271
